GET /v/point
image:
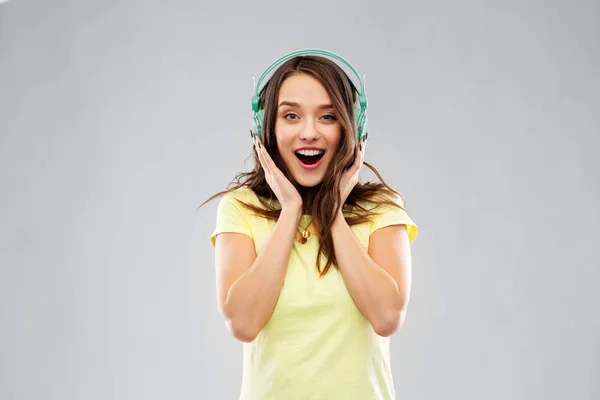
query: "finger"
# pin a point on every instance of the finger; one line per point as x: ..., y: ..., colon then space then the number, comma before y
x: 354, y: 169
x: 358, y: 159
x: 267, y: 158
x: 259, y: 152
x: 364, y: 149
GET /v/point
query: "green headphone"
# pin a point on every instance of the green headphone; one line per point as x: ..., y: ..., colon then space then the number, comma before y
x: 360, y: 113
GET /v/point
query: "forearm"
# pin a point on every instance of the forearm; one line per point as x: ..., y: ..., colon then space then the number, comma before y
x: 374, y: 291
x: 252, y: 297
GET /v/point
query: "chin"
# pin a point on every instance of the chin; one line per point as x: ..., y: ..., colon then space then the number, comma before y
x: 309, y: 182
x: 309, y: 179
x: 306, y: 177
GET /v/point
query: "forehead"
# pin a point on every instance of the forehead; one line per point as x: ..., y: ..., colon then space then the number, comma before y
x: 303, y: 88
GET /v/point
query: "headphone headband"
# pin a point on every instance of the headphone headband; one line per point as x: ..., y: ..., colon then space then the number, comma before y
x: 360, y: 113
x: 316, y: 52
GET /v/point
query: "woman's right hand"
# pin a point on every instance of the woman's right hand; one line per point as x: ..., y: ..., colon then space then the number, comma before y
x: 286, y: 193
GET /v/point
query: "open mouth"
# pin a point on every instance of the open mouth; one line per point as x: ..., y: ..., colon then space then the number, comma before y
x: 309, y: 157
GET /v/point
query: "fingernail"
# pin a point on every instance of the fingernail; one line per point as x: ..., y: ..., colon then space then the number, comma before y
x: 366, y: 136
x: 360, y: 147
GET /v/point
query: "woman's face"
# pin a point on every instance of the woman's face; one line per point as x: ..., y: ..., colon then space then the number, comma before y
x: 307, y: 129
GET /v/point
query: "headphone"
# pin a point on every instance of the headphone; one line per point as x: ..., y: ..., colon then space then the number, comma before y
x: 360, y: 113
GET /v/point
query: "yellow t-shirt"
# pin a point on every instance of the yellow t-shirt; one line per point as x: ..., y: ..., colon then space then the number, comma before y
x: 317, y: 344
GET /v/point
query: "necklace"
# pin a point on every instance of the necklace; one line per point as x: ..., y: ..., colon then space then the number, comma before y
x: 303, y: 237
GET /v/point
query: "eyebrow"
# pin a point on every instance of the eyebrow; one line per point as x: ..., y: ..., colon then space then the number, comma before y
x: 294, y: 104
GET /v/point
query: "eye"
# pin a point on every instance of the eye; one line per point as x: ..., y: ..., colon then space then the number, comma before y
x: 329, y: 117
x: 290, y: 115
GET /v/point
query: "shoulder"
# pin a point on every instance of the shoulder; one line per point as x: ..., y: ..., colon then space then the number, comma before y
x: 243, y: 193
x: 232, y: 204
x: 381, y: 204
x: 237, y: 197
x: 232, y: 215
x: 387, y: 211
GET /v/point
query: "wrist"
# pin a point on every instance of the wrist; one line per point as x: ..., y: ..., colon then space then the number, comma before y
x: 339, y: 218
x: 292, y: 212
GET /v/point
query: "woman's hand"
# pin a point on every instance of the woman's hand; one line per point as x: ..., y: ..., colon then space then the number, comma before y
x: 350, y: 176
x: 286, y: 193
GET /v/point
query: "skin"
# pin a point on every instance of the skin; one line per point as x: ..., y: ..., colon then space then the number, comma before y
x: 248, y: 285
x: 306, y: 117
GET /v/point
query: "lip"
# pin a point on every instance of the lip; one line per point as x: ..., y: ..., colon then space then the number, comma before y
x: 312, y: 166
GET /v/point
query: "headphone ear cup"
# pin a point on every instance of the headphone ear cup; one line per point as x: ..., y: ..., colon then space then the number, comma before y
x: 258, y: 121
x: 359, y: 119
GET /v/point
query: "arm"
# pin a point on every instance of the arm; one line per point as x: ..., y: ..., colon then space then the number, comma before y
x: 378, y: 281
x: 248, y: 286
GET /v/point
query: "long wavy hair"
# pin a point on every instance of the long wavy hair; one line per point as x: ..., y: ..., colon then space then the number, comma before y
x: 322, y: 200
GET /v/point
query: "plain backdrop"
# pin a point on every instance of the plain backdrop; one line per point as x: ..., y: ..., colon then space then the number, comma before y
x: 118, y: 118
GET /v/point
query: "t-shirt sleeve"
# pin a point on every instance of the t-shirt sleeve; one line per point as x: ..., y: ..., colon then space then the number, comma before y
x: 391, y: 215
x: 230, y: 218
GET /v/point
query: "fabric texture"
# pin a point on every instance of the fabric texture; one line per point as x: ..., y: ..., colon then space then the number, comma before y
x: 317, y: 344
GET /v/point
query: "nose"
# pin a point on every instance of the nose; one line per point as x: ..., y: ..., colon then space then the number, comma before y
x: 309, y: 131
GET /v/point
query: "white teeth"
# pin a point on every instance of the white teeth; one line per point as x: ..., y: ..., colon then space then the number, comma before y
x: 310, y: 152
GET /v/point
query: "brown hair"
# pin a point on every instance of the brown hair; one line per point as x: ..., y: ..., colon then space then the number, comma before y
x: 316, y: 202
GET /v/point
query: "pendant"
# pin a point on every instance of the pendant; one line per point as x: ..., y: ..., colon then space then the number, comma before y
x: 302, y: 239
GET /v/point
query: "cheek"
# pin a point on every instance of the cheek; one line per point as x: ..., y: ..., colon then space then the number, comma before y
x: 334, y: 136
x: 283, y: 137
x: 283, y: 146
x: 284, y: 130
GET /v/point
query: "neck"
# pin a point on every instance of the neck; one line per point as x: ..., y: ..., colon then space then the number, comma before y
x: 309, y: 194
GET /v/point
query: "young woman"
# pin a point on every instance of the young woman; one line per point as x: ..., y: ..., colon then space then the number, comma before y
x: 313, y: 267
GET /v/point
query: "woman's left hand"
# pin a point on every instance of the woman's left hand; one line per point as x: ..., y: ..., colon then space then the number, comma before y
x: 350, y: 177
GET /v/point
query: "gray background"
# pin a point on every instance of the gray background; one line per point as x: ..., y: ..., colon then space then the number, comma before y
x: 117, y: 119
